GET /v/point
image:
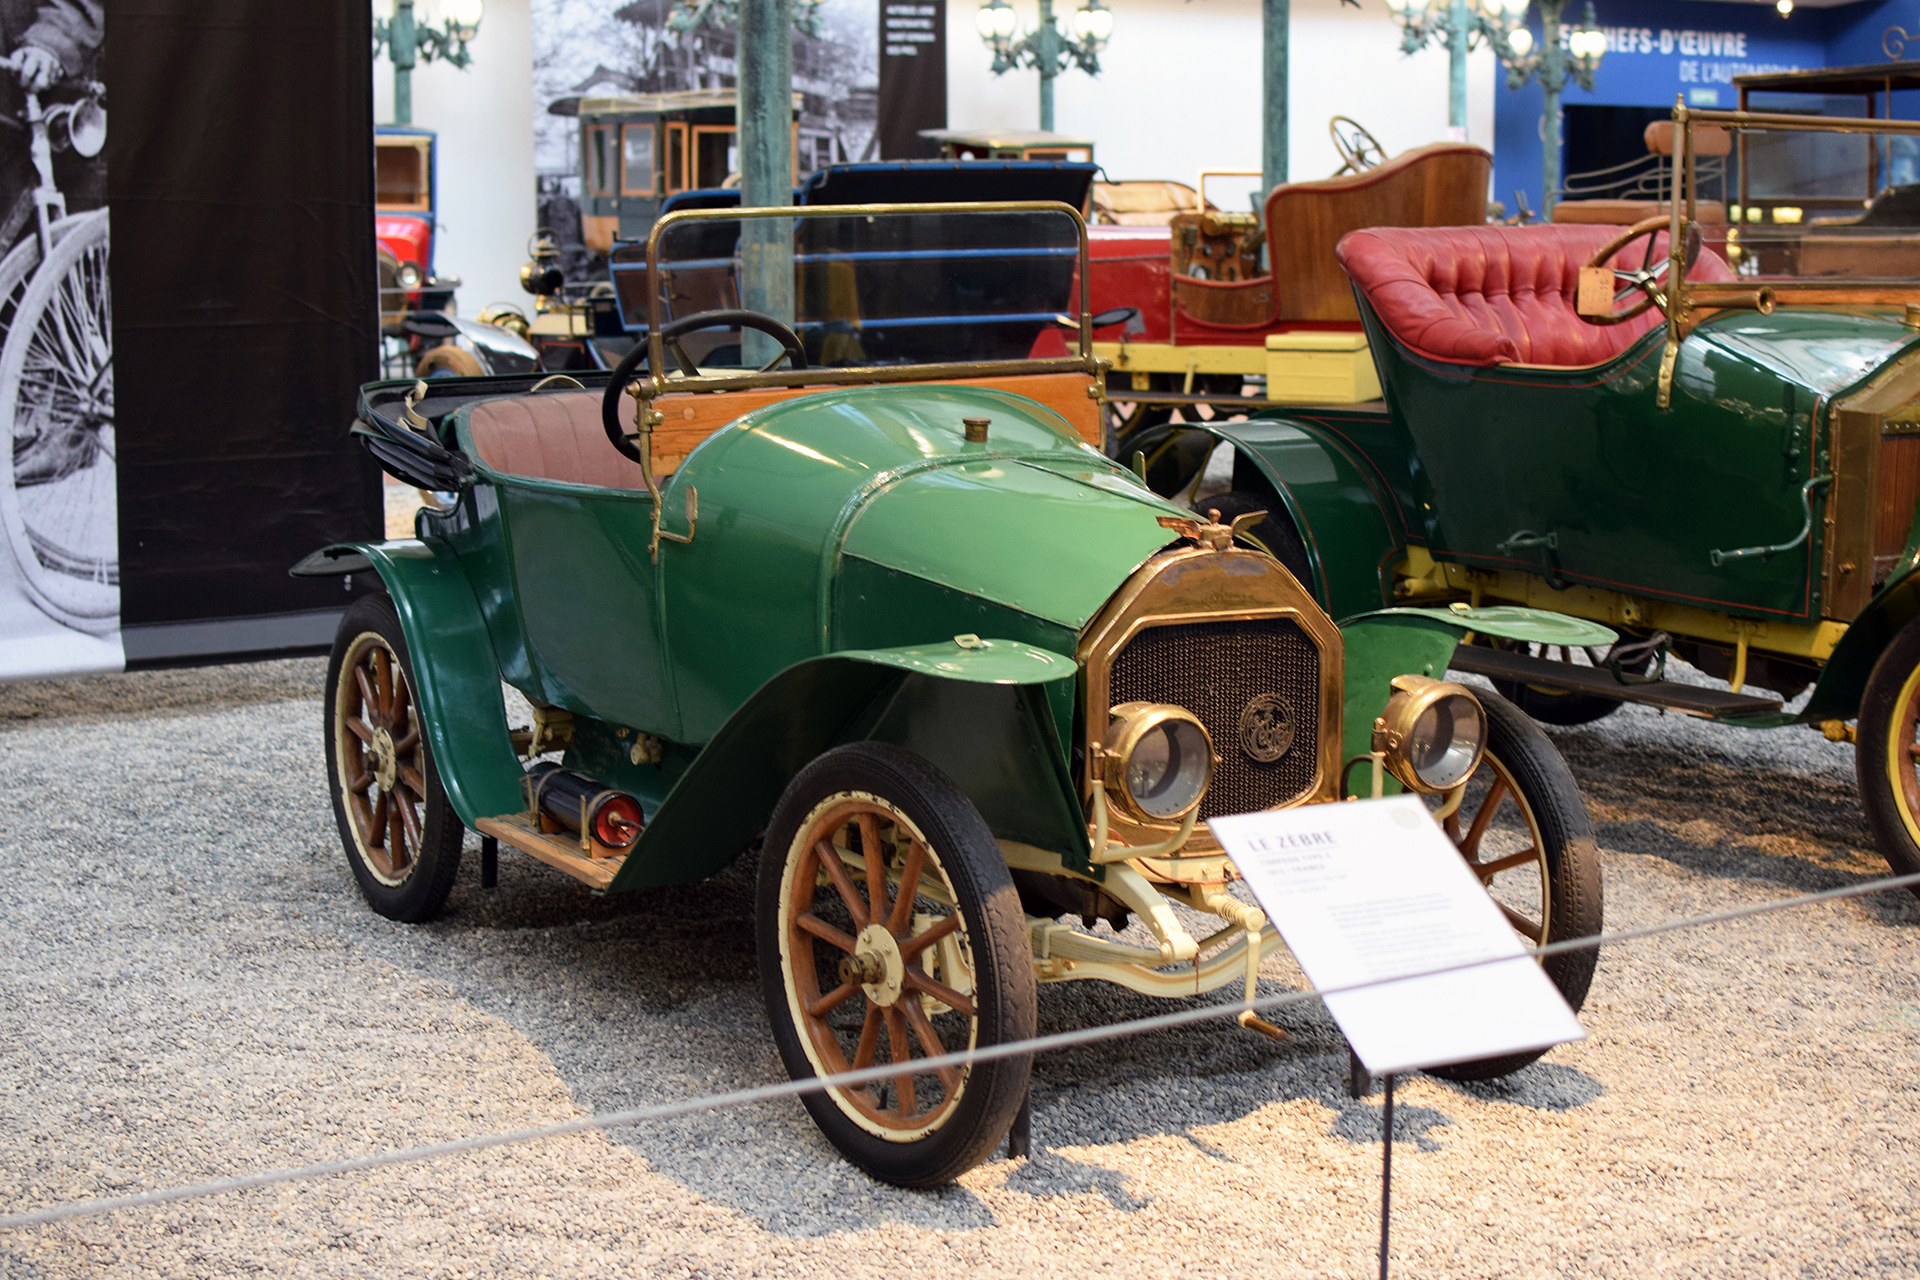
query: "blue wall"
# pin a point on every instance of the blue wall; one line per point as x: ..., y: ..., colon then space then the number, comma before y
x: 1660, y: 49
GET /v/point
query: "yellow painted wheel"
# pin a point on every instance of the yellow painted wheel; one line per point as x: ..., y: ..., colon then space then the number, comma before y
x: 1888, y: 755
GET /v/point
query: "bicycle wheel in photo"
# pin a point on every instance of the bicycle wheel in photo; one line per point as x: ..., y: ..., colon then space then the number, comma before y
x: 59, y: 502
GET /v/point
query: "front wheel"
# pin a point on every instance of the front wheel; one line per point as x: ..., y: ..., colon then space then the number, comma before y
x: 401, y: 835
x: 1889, y: 751
x: 889, y: 932
x: 1524, y: 830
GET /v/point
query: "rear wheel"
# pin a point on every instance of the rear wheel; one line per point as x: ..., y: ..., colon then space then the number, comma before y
x: 890, y: 932
x: 401, y: 835
x: 1524, y: 830
x: 1889, y: 751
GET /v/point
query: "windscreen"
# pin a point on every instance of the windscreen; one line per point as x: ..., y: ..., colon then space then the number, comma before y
x: 1820, y: 205
x: 868, y: 288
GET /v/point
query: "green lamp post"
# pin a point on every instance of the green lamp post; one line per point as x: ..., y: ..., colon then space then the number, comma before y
x: 1562, y: 54
x: 1046, y: 48
x: 1456, y: 25
x: 410, y: 42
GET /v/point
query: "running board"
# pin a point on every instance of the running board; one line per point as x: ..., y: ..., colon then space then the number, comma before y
x: 1520, y: 668
x: 556, y: 851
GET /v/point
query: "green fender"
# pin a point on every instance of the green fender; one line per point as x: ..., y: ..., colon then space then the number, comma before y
x: 456, y: 677
x: 1406, y: 641
x: 1843, y: 678
x: 996, y: 719
x: 1340, y: 511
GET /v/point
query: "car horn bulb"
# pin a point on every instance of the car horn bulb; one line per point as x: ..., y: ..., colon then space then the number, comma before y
x: 607, y: 821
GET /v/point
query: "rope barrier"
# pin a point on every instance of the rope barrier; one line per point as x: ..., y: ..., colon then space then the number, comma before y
x: 868, y: 1075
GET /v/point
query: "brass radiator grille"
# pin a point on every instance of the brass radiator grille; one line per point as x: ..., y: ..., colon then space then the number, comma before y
x: 1214, y: 669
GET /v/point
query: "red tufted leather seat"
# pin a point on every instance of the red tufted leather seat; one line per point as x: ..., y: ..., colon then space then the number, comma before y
x: 1496, y: 295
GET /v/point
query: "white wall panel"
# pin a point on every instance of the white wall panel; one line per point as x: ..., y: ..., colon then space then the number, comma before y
x: 484, y: 118
x: 1180, y: 86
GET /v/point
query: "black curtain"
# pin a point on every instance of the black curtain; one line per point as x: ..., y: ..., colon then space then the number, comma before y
x: 240, y: 177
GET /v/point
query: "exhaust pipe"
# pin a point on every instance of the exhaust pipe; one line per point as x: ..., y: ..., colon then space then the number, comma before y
x: 572, y: 801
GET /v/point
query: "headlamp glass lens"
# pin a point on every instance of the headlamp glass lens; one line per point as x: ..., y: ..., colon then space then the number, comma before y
x: 1169, y: 768
x: 1445, y: 741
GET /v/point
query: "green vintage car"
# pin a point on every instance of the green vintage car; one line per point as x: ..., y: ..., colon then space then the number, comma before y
x: 970, y: 684
x: 1702, y: 429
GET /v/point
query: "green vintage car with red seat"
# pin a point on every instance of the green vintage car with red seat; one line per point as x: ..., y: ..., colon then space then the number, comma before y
x: 1709, y: 441
x: 971, y: 687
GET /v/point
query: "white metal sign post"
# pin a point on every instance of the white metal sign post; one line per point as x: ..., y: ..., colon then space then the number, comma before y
x: 1383, y: 914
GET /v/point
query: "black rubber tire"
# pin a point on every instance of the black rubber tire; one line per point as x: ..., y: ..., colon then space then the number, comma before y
x: 1276, y: 534
x: 1550, y: 706
x: 994, y: 930
x: 1885, y: 730
x: 422, y: 892
x: 1574, y: 894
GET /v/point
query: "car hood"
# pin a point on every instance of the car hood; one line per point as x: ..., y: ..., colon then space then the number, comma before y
x: 1033, y: 519
x: 1824, y: 351
x: 1051, y: 540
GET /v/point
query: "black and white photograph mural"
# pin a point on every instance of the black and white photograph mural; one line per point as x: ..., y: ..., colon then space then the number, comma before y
x: 594, y: 48
x: 60, y: 573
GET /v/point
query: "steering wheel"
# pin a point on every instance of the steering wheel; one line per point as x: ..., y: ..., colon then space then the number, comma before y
x: 1359, y: 149
x: 1648, y: 278
x: 630, y: 364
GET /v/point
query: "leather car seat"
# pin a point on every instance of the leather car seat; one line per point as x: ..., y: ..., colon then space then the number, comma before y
x: 558, y: 436
x: 1496, y: 295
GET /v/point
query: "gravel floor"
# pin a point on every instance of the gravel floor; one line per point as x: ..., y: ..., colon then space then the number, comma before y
x: 194, y: 989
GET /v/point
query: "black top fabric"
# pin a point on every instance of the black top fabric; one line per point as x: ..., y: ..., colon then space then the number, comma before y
x: 951, y: 182
x: 240, y: 178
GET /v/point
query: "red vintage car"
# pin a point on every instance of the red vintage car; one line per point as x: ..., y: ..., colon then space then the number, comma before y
x: 1215, y: 300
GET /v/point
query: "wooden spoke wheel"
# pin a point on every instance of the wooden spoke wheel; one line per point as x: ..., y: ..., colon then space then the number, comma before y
x: 401, y: 836
x: 890, y: 933
x: 1524, y: 830
x: 1888, y: 755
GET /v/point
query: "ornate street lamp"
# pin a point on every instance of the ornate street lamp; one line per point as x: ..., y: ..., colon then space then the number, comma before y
x: 410, y: 43
x: 1047, y: 48
x: 1562, y: 53
x: 1458, y: 26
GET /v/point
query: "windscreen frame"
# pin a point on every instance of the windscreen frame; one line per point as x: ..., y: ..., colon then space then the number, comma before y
x: 657, y: 381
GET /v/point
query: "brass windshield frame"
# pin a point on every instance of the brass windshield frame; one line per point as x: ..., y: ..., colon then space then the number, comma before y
x: 1687, y: 295
x: 656, y: 381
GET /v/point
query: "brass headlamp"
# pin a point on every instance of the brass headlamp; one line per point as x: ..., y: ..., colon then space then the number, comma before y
x: 1431, y: 734
x: 1157, y: 761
